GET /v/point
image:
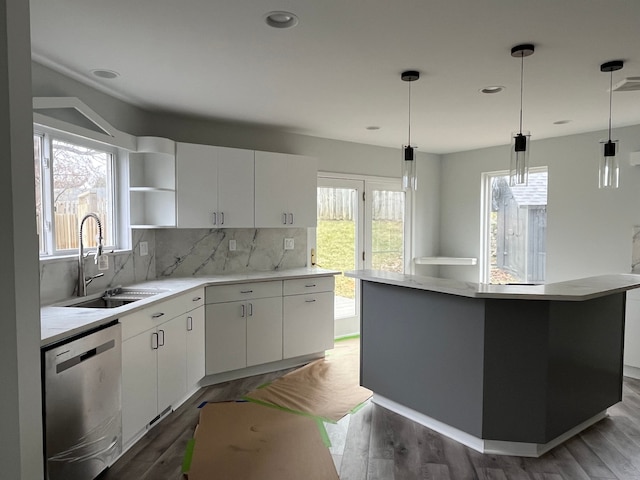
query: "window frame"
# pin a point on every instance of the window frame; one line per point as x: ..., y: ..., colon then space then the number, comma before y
x: 484, y: 262
x: 48, y: 227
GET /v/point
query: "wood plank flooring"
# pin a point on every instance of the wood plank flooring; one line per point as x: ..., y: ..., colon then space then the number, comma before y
x: 377, y: 444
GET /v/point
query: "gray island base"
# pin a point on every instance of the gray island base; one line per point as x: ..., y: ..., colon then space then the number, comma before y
x: 512, y: 370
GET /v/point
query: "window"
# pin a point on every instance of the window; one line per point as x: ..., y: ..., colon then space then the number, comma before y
x: 73, y: 178
x: 515, y: 227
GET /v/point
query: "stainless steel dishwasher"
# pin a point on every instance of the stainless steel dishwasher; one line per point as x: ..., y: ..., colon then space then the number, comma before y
x: 82, y: 419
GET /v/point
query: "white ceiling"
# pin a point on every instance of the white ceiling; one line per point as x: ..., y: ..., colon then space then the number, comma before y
x: 338, y: 71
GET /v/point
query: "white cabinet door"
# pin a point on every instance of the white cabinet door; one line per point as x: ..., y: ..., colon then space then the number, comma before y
x: 303, y: 184
x: 264, y: 330
x: 307, y: 324
x: 226, y: 337
x: 197, y: 183
x: 172, y: 362
x: 235, y: 188
x: 285, y: 190
x: 195, y: 346
x: 139, y: 383
x: 271, y: 190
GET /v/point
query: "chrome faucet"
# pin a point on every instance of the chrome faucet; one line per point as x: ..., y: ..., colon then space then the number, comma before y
x: 82, y: 280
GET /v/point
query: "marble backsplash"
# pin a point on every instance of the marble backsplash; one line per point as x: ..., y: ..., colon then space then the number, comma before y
x: 179, y: 253
x: 192, y: 252
x: 58, y: 277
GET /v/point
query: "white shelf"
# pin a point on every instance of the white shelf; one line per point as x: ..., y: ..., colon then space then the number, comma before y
x: 445, y: 261
x: 150, y: 189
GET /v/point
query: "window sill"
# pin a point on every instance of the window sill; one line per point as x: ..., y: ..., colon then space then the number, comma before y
x: 74, y: 256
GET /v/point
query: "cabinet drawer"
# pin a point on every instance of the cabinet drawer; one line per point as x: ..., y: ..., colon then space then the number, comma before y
x: 153, y: 315
x: 243, y: 291
x: 194, y: 299
x: 301, y: 286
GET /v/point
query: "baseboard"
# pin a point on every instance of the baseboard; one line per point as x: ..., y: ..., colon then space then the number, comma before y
x: 629, y: 371
x: 494, y: 447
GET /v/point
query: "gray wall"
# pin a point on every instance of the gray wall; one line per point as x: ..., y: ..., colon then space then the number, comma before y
x: 589, y: 230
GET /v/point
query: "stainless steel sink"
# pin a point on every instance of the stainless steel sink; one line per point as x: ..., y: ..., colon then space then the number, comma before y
x: 115, y: 297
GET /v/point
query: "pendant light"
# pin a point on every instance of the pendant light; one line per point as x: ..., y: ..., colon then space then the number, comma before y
x: 608, y: 171
x: 409, y: 180
x: 520, y: 140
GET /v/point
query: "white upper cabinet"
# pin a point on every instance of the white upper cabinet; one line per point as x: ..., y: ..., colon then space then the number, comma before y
x: 285, y: 190
x: 214, y: 187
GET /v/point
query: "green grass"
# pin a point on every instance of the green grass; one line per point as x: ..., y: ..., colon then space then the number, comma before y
x: 335, y: 241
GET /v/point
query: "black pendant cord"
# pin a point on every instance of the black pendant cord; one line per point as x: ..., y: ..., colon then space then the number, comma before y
x: 409, y: 140
x: 610, y: 100
x: 521, y: 87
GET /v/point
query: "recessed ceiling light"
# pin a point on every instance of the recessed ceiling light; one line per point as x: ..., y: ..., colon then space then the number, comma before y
x: 281, y: 19
x: 108, y: 74
x: 492, y: 89
x: 561, y: 122
x: 373, y: 127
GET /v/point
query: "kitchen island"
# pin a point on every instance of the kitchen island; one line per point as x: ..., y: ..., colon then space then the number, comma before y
x: 503, y: 369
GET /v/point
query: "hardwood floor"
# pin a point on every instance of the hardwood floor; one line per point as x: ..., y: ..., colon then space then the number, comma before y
x: 377, y: 444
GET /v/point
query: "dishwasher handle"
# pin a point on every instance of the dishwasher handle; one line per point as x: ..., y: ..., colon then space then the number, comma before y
x: 84, y: 356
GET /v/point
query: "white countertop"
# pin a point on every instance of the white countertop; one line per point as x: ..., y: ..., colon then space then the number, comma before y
x: 572, y: 290
x: 58, y: 322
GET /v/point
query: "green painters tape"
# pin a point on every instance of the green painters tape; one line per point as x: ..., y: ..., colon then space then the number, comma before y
x: 188, y: 455
x: 348, y: 337
x: 323, y: 433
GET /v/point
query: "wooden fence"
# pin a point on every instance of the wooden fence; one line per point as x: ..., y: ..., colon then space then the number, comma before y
x: 339, y: 204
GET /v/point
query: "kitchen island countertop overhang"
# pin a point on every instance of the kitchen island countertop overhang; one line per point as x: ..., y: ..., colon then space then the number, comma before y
x: 512, y: 370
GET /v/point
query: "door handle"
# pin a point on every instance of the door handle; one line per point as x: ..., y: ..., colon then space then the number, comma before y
x: 189, y: 324
x: 309, y: 301
x: 157, y: 315
x: 243, y: 311
x: 196, y: 299
x: 291, y: 218
x: 284, y: 218
x: 221, y: 218
x: 161, y: 343
x: 214, y: 218
x: 251, y: 309
x: 154, y: 336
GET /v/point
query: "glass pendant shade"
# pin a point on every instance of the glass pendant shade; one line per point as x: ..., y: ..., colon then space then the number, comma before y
x: 520, y: 150
x: 409, y: 179
x: 609, y: 170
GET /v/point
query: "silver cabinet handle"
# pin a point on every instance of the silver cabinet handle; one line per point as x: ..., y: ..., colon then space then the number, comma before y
x: 284, y: 218
x: 310, y: 285
x: 243, y: 311
x: 189, y: 324
x: 309, y: 301
x: 251, y: 309
x: 157, y: 315
x: 161, y: 343
x: 246, y: 291
x: 196, y: 299
x: 214, y: 218
x: 291, y: 218
x: 154, y: 345
x: 221, y: 218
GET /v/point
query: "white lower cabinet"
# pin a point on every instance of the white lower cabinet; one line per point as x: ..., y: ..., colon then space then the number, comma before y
x: 155, y: 359
x: 249, y: 324
x: 172, y: 362
x: 195, y: 346
x: 307, y: 323
x: 243, y: 333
